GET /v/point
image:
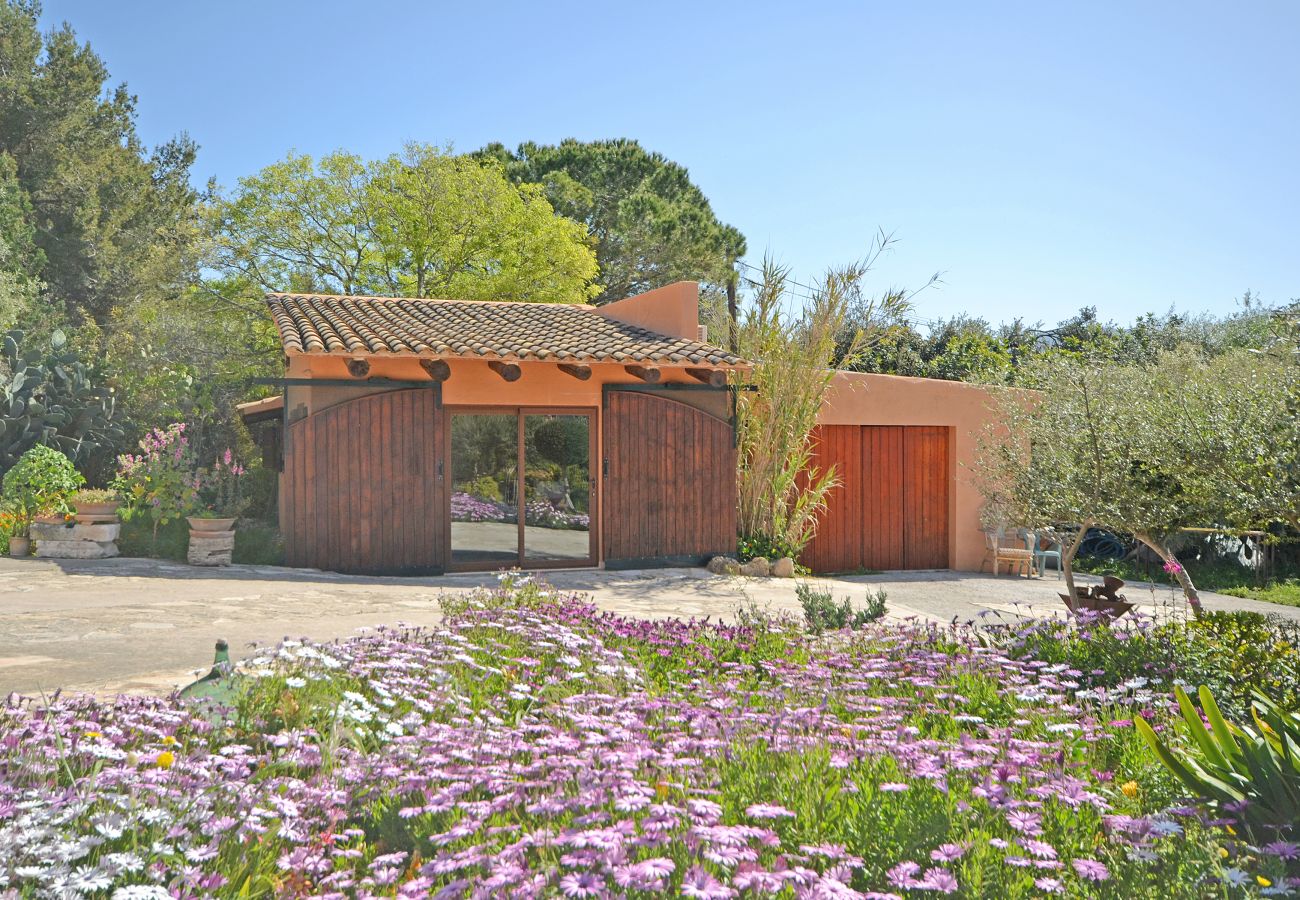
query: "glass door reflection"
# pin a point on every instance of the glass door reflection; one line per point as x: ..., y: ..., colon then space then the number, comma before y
x: 484, y: 489
x: 557, y: 488
x: 505, y: 461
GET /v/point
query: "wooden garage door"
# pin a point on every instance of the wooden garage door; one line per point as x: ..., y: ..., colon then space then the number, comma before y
x: 362, y: 490
x: 891, y: 510
x: 669, y: 482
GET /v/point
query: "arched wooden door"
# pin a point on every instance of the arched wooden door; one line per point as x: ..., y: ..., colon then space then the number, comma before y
x: 363, y: 487
x: 669, y: 482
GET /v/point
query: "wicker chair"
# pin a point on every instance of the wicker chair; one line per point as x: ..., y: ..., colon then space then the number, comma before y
x: 997, y: 552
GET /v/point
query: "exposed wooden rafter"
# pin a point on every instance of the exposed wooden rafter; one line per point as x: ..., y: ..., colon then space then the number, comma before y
x: 648, y: 374
x: 436, y: 369
x: 580, y: 372
x: 358, y: 368
x: 508, y: 371
x: 712, y: 377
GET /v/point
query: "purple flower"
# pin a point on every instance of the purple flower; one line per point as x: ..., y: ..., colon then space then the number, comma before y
x: 1091, y: 869
x: 1049, y: 885
x: 582, y: 884
x: 768, y: 811
x: 940, y: 880
x: 946, y: 853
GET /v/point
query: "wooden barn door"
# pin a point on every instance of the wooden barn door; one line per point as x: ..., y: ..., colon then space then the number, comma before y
x: 363, y: 486
x: 891, y: 510
x: 669, y: 482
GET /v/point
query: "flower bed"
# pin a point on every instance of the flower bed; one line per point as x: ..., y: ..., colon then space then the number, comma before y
x: 469, y: 508
x: 535, y: 747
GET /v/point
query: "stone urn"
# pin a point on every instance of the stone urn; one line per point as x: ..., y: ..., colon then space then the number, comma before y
x: 20, y: 547
x: 210, y: 526
x: 97, y: 513
x: 212, y: 541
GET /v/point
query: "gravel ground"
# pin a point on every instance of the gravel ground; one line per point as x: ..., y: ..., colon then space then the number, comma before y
x: 139, y: 625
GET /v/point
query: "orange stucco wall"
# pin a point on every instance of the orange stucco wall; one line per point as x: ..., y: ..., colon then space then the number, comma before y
x: 673, y: 309
x: 862, y: 399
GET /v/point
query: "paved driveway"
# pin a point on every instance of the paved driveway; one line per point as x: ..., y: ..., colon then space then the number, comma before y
x: 144, y: 625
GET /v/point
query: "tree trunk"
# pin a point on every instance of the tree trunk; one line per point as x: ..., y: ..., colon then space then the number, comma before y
x: 1067, y: 563
x: 1179, y: 573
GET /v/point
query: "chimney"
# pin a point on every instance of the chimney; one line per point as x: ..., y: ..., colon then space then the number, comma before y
x: 704, y: 334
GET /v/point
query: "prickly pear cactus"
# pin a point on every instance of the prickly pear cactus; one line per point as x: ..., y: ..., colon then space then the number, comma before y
x: 47, y: 397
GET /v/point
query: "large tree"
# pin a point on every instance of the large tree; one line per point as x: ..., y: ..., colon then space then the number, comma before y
x: 423, y: 223
x: 114, y: 222
x: 651, y: 224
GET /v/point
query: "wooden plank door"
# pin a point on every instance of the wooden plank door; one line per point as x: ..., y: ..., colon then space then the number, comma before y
x: 669, y: 482
x: 363, y: 486
x: 836, y: 545
x: 926, y: 482
x: 883, y: 523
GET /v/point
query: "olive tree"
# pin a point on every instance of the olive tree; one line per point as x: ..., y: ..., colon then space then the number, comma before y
x: 1091, y: 448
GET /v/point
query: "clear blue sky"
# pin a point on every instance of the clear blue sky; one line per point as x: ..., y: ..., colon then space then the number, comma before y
x: 1044, y: 155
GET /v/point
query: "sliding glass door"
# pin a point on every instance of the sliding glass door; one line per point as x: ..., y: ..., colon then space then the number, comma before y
x: 522, y: 492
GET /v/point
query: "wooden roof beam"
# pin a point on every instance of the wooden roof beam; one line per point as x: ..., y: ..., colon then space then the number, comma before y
x: 508, y: 371
x: 580, y: 372
x: 712, y: 377
x: 436, y: 369
x: 648, y: 374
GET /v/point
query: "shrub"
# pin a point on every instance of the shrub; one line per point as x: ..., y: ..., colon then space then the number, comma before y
x: 161, y: 479
x: 821, y: 612
x: 1250, y: 773
x: 41, y: 480
x: 94, y: 495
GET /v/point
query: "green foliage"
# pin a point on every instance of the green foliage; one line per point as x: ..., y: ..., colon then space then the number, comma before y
x: 257, y: 544
x: 484, y: 487
x: 821, y: 613
x: 423, y: 223
x: 1233, y: 653
x: 751, y: 546
x: 42, y: 480
x: 780, y: 490
x: 650, y: 224
x: 114, y: 222
x: 94, y: 495
x: 1251, y: 772
x: 49, y: 396
x: 564, y: 440
x: 1285, y: 592
x: 160, y: 480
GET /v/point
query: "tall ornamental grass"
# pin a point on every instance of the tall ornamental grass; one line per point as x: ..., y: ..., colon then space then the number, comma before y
x: 795, y: 352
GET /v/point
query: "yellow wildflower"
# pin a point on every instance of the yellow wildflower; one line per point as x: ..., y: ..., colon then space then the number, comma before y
x: 166, y: 759
x: 94, y: 734
x: 169, y: 741
x: 661, y: 790
x: 1263, y: 882
x: 1129, y: 789
x: 1223, y: 852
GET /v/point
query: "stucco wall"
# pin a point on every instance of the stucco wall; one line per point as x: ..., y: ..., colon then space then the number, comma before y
x: 862, y: 399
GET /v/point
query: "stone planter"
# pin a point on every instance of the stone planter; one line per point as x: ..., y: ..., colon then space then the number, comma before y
x: 210, y: 526
x: 20, y: 547
x: 97, y: 513
x: 62, y: 540
x: 211, y: 548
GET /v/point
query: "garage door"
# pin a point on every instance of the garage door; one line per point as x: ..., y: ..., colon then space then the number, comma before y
x: 891, y: 509
x: 362, y: 487
x: 670, y: 482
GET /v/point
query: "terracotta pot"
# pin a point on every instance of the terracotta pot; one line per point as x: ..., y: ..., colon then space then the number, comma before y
x: 20, y: 547
x: 210, y: 526
x: 98, y: 510
x: 49, y: 520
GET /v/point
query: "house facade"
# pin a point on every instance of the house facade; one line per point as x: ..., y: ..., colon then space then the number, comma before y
x: 427, y: 436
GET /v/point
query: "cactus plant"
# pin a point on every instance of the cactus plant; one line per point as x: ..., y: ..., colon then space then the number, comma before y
x: 1251, y: 772
x: 47, y: 397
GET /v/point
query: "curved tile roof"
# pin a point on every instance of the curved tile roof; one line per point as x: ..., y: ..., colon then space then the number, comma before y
x: 552, y: 332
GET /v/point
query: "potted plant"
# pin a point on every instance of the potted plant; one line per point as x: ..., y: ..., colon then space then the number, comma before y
x: 95, y: 505
x: 39, y: 482
x: 160, y: 480
x: 220, y: 496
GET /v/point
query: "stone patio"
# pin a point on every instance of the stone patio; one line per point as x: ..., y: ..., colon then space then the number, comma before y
x: 140, y: 625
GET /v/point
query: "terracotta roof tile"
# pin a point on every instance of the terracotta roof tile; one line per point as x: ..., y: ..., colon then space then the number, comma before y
x: 313, y: 323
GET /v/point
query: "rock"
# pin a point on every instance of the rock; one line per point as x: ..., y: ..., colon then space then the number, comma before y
x: 211, y: 548
x: 47, y: 549
x: 723, y: 565
x: 783, y: 568
x: 96, y: 532
x: 758, y: 567
x: 45, y: 532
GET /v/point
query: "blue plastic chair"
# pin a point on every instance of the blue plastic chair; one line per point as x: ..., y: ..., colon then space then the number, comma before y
x: 1041, y: 556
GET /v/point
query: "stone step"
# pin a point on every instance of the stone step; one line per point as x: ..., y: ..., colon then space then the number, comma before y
x: 46, y: 549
